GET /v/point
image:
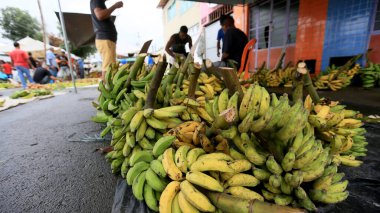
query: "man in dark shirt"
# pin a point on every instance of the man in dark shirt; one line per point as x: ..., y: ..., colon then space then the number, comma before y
x: 234, y: 41
x: 106, y: 34
x: 43, y: 76
x: 32, y: 60
x: 177, y: 43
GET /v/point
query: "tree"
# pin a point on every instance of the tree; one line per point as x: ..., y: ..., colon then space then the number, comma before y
x: 18, y: 24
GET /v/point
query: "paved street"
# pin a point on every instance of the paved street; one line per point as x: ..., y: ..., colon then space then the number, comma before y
x: 41, y: 170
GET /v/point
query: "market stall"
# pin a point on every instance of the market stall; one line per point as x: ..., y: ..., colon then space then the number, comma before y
x: 191, y: 141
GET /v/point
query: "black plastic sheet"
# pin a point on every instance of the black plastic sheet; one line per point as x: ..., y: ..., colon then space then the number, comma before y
x: 364, y: 186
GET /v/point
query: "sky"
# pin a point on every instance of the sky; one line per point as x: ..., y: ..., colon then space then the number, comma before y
x: 136, y: 22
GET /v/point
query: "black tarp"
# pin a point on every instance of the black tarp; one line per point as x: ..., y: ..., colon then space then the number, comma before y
x: 364, y: 185
x: 79, y: 29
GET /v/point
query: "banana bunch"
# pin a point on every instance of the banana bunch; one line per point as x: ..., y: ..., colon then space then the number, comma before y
x: 339, y: 128
x: 329, y: 188
x: 208, y: 86
x: 113, y: 98
x: 370, y: 75
x: 343, y: 79
x: 193, y: 134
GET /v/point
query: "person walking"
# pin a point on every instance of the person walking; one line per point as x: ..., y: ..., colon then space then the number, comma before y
x: 20, y: 60
x: 51, y: 61
x: 105, y: 30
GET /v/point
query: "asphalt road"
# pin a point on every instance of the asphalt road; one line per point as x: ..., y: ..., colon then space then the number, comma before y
x: 42, y: 169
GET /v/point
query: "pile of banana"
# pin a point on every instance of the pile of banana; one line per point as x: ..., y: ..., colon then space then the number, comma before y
x: 339, y: 128
x: 370, y: 75
x: 274, y: 78
x: 334, y: 80
x: 177, y: 151
x: 193, y: 134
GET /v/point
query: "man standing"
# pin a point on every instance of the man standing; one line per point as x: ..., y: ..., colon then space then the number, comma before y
x: 80, y: 67
x: 177, y: 43
x: 234, y: 41
x: 63, y: 65
x: 106, y: 34
x: 51, y: 61
x: 220, y: 36
x: 20, y: 60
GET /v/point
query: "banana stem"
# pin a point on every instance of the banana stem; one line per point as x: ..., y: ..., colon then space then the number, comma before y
x: 155, y: 84
x: 195, y: 70
x: 135, y: 69
x: 172, y: 73
x: 185, y: 66
x: 232, y: 82
x: 211, y: 69
x: 307, y: 82
x: 230, y: 204
x: 298, y: 80
x: 222, y: 121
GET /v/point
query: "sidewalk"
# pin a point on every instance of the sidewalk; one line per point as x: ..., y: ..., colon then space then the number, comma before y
x: 42, y: 168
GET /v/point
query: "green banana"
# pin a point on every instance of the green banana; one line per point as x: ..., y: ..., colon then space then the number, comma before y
x: 154, y: 181
x: 162, y: 144
x: 134, y: 171
x: 157, y: 167
x: 138, y: 186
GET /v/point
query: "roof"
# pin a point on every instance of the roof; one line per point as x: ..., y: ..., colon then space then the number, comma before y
x: 162, y: 3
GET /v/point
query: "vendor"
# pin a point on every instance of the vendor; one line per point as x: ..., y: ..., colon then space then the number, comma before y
x: 43, y: 76
x: 234, y: 41
x: 177, y: 43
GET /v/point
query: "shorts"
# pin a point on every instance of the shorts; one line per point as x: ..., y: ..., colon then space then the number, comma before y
x: 107, y: 50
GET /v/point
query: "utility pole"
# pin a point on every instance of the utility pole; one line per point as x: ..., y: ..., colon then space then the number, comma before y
x: 43, y: 27
x: 67, y: 45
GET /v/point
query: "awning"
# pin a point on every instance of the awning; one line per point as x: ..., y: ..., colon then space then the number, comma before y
x: 232, y: 2
x: 79, y: 29
x: 162, y: 3
x: 27, y: 44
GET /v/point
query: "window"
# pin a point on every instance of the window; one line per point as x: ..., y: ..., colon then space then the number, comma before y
x: 377, y: 20
x: 274, y: 25
x: 185, y: 5
x: 171, y: 11
x: 193, y: 31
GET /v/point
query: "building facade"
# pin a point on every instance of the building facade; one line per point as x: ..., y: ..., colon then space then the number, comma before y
x: 320, y: 32
x: 177, y: 13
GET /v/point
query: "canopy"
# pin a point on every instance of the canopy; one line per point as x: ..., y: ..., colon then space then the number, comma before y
x: 27, y: 44
x: 79, y: 29
x: 231, y: 2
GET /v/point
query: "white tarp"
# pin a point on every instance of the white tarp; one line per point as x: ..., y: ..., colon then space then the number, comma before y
x: 27, y: 44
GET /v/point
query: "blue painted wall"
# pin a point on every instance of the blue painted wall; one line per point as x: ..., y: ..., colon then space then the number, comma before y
x: 347, y: 28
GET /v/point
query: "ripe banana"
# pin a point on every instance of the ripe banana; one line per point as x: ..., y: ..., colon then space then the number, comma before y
x: 170, y: 167
x: 242, y: 179
x: 242, y: 192
x: 196, y: 198
x: 167, y: 197
x: 205, y: 181
x: 193, y: 155
x: 180, y: 158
